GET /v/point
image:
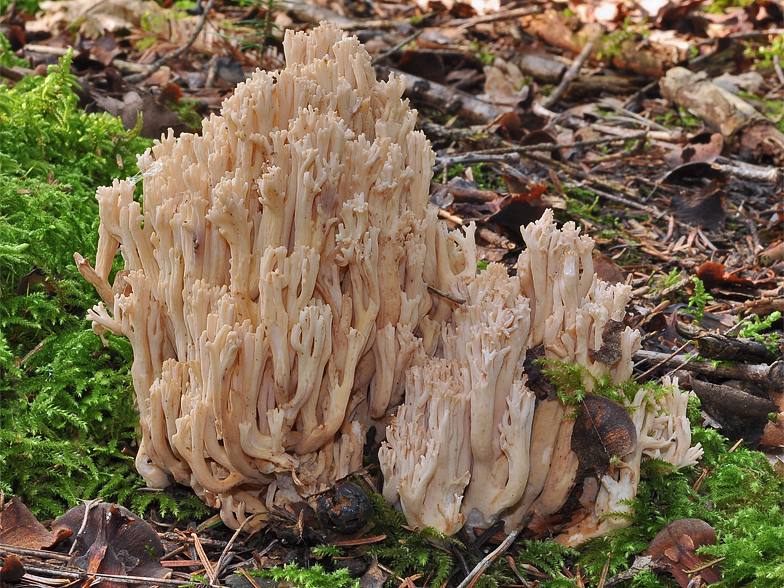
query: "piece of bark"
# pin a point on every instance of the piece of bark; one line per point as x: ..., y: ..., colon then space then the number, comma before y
x: 722, y: 348
x: 733, y: 117
x: 605, y: 84
x: 771, y: 376
x: 448, y: 100
x: 740, y: 414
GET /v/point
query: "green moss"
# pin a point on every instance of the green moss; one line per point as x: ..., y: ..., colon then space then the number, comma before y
x: 312, y: 577
x: 407, y: 552
x: 68, y: 418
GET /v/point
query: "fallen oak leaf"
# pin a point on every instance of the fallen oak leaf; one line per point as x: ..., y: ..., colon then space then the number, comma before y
x: 20, y: 528
x: 602, y: 432
x: 114, y: 539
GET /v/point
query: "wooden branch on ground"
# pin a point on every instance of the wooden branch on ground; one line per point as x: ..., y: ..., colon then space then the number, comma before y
x: 767, y: 375
x: 448, y: 100
x: 570, y: 74
x: 464, y: 23
x: 10, y: 74
x: 314, y: 14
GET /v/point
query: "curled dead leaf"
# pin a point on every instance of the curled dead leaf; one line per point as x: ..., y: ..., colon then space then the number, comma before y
x: 603, y: 431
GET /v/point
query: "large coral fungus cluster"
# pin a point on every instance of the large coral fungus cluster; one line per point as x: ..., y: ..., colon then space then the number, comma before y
x: 277, y: 272
x: 280, y: 291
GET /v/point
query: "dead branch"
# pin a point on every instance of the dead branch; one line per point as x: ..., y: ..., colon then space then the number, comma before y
x: 451, y: 101
x: 767, y: 375
x: 570, y: 74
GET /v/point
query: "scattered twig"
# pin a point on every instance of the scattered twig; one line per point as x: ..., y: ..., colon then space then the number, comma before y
x: 249, y: 578
x: 496, y: 239
x: 11, y: 74
x: 212, y: 71
x: 570, y: 74
x: 640, y: 563
x: 156, y: 65
x: 758, y: 373
x: 656, y: 296
x: 513, y: 565
x: 478, y: 157
x: 34, y: 552
x: 447, y: 99
x: 208, y: 569
x: 464, y: 23
x: 553, y: 146
x: 748, y: 171
x: 487, y: 561
x: 403, y: 43
x: 605, y: 569
x: 777, y: 67
x: 446, y: 295
x: 59, y: 573
x: 708, y: 471
x: 313, y: 13
x: 88, y: 505
x: 662, y: 362
x: 223, y: 560
x: 705, y: 566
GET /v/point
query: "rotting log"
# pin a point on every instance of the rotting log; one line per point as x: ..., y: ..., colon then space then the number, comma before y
x: 771, y: 376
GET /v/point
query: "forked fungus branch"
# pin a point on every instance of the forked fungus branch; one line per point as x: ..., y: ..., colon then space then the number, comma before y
x: 275, y: 292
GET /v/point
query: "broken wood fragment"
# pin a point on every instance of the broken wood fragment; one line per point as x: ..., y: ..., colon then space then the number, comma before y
x: 766, y: 375
x: 721, y: 110
x: 448, y: 100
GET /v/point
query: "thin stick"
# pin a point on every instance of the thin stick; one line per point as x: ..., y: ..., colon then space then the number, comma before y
x: 656, y: 296
x: 758, y: 373
x: 117, y: 578
x: 777, y: 67
x: 204, y: 559
x: 34, y: 552
x: 570, y: 74
x: 663, y: 361
x: 223, y: 559
x: 464, y: 23
x: 156, y: 65
x: 553, y: 146
x: 400, y: 45
x: 482, y: 566
x: 446, y: 295
x: 8, y: 73
x: 705, y: 566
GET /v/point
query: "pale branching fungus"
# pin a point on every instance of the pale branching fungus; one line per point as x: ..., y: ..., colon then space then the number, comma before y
x: 276, y: 278
x: 275, y: 292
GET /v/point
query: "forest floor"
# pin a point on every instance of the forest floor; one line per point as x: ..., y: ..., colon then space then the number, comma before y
x: 655, y: 126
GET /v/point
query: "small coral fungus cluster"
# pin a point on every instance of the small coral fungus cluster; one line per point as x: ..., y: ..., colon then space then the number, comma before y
x: 278, y: 291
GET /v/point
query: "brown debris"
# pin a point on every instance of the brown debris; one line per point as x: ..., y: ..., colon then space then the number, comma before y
x: 18, y: 527
x: 674, y: 550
